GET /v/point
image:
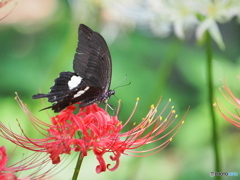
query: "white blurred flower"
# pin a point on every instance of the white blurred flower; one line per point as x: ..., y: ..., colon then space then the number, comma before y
x: 164, y: 16
x: 178, y: 14
x: 213, y: 12
x: 235, y: 9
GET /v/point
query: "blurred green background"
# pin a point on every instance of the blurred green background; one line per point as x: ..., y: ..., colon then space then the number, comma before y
x: 37, y: 42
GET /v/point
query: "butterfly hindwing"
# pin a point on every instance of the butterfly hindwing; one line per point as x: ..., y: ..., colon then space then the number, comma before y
x: 63, y: 86
x: 69, y: 89
x: 85, y: 95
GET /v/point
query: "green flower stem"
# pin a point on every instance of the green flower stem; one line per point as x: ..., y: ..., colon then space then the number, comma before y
x: 78, y: 166
x: 211, y: 101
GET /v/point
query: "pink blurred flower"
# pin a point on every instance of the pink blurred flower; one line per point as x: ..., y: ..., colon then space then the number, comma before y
x: 4, y: 2
x: 3, y: 158
x: 8, y: 176
x: 92, y: 128
x: 3, y: 162
x: 35, y: 162
x: 6, y: 173
x: 231, y: 117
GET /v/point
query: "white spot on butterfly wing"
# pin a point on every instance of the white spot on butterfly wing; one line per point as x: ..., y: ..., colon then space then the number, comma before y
x: 74, y: 82
x: 79, y: 93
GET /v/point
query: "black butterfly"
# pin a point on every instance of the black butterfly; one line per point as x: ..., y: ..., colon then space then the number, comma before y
x: 91, y: 79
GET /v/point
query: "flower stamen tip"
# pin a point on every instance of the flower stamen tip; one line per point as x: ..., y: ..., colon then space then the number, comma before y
x: 149, y: 120
x: 170, y: 139
x: 138, y: 98
x: 169, y: 99
x: 119, y: 123
x: 182, y: 122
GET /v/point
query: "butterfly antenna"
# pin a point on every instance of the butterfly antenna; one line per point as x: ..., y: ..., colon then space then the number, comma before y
x: 117, y: 86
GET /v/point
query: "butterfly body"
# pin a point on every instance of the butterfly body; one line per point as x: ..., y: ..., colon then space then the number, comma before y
x: 90, y: 81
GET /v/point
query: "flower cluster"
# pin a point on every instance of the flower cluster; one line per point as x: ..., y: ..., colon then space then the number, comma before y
x: 163, y: 16
x: 231, y: 117
x: 92, y: 128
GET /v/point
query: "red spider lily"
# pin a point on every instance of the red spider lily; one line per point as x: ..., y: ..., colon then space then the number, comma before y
x: 36, y: 161
x: 8, y: 173
x: 3, y: 158
x: 5, y: 172
x: 92, y: 128
x: 231, y: 117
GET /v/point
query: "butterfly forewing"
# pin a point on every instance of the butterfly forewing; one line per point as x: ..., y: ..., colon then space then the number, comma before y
x: 92, y: 60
